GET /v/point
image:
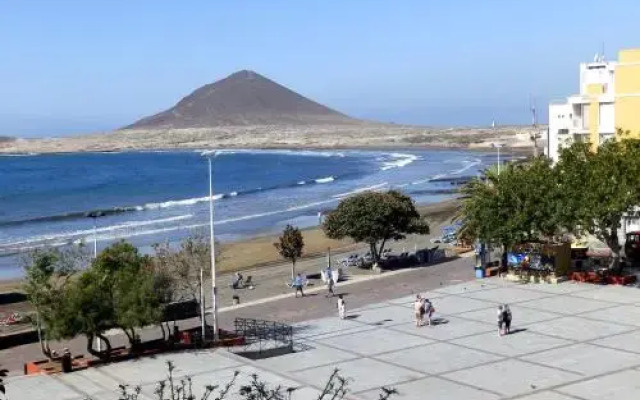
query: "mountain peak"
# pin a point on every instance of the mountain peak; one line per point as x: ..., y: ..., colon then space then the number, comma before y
x: 242, y: 98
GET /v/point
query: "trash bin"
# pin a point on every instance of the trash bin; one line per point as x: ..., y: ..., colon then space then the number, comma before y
x: 480, y: 273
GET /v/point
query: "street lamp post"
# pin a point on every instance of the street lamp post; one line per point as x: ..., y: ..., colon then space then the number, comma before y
x: 214, y: 290
x: 498, y: 146
x: 94, y: 216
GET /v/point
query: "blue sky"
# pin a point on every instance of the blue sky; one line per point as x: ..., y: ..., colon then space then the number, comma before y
x: 80, y: 66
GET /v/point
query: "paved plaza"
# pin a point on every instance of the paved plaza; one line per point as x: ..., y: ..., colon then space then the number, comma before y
x: 569, y: 341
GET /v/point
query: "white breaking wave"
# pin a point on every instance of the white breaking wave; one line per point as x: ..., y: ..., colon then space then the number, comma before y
x: 302, y: 183
x: 233, y: 194
x: 400, y: 160
x: 90, y: 232
x: 307, y: 153
x: 221, y: 222
x: 469, y: 164
x: 326, y: 180
x: 360, y: 190
x: 174, y: 203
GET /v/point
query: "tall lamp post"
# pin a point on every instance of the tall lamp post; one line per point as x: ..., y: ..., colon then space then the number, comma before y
x: 214, y: 290
x: 498, y: 146
x: 94, y: 215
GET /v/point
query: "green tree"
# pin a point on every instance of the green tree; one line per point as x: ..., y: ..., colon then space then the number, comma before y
x: 599, y: 188
x: 518, y: 205
x: 47, y: 274
x: 128, y: 283
x: 375, y: 218
x: 290, y: 245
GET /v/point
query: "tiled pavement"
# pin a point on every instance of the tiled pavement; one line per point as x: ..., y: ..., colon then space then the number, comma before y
x: 570, y: 341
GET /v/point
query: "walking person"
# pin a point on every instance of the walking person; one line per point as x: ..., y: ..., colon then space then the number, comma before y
x: 418, y: 310
x: 507, y: 318
x: 501, y: 320
x: 428, y: 310
x: 297, y: 285
x: 342, y: 307
x: 330, y: 286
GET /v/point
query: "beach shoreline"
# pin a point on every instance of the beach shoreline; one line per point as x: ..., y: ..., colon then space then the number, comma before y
x: 257, y: 252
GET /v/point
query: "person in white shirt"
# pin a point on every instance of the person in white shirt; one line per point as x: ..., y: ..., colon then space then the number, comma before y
x: 342, y: 307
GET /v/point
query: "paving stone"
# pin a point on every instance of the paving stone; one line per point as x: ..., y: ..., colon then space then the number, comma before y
x: 627, y: 341
x: 585, y: 359
x: 434, y: 388
x: 146, y: 370
x: 547, y: 395
x: 452, y: 305
x: 324, y: 326
x: 566, y: 287
x: 446, y: 328
x: 438, y: 358
x: 466, y: 287
x: 366, y: 374
x: 566, y: 305
x: 408, y: 300
x: 626, y: 314
x: 511, y: 345
x: 39, y: 387
x: 522, y: 316
x: 313, y: 356
x: 374, y: 341
x: 580, y: 329
x: 616, y: 294
x: 507, y: 295
x: 623, y: 385
x: 515, y: 377
x: 384, y: 316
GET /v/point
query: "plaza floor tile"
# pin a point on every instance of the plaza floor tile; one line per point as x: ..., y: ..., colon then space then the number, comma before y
x: 365, y: 374
x: 566, y: 305
x: 511, y: 345
x: 579, y: 329
x: 374, y: 341
x: 511, y: 377
x: 446, y: 328
x: 438, y: 358
x: 434, y: 388
x: 624, y: 385
x: 585, y: 359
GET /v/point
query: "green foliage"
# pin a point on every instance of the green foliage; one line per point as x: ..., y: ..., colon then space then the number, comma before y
x: 183, y: 265
x: 47, y: 277
x: 599, y: 188
x: 585, y: 192
x: 290, y: 245
x: 375, y: 218
x: 119, y: 289
x: 519, y: 204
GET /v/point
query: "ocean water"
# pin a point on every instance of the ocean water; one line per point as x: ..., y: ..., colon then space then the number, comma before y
x: 150, y: 197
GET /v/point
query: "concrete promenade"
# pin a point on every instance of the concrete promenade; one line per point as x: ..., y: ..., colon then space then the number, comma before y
x: 570, y: 341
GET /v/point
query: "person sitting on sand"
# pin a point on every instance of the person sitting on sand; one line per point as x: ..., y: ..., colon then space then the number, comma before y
x: 237, y: 281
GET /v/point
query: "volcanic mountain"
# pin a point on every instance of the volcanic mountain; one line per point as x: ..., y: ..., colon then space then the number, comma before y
x: 241, y: 99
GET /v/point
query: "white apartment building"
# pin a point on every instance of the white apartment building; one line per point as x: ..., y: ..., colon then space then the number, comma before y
x: 588, y: 116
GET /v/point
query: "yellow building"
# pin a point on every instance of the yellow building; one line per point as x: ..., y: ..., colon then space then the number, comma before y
x: 627, y: 92
x: 609, y: 99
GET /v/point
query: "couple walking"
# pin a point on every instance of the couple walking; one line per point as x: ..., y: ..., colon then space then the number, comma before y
x: 423, y: 307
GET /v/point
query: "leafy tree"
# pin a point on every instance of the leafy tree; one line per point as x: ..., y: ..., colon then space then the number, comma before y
x: 290, y: 245
x: 47, y: 273
x: 125, y: 280
x: 599, y: 188
x: 185, y: 263
x: 375, y: 218
x: 518, y: 205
